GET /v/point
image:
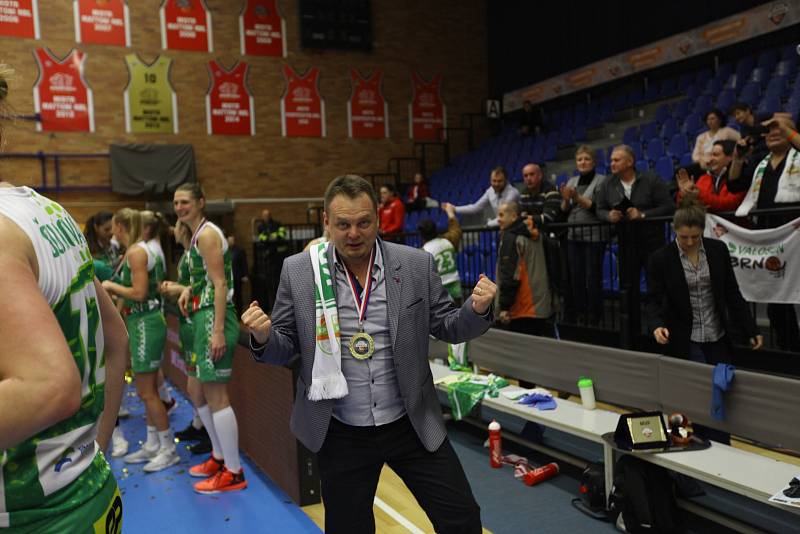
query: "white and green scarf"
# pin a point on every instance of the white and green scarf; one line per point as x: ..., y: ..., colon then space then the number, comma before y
x: 788, y: 183
x: 327, y: 380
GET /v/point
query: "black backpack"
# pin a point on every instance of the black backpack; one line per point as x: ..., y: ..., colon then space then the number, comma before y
x: 644, y: 495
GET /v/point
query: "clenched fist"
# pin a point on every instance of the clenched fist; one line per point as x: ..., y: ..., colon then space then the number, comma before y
x: 483, y: 295
x: 257, y: 322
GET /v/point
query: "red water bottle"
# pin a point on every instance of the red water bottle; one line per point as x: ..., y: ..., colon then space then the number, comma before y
x: 495, y: 445
x: 540, y: 474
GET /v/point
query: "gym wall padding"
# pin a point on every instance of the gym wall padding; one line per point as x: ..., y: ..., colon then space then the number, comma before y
x: 759, y: 406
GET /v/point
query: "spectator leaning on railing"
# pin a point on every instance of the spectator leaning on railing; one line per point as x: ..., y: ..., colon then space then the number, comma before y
x: 585, y: 244
x: 771, y: 183
x: 630, y: 198
x: 711, y: 189
x: 498, y: 193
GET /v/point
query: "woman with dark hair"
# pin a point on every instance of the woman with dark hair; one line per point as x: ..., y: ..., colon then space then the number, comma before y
x: 695, y: 300
x: 98, y: 234
x: 717, y: 131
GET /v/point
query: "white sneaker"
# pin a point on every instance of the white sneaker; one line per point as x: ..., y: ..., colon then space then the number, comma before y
x: 123, y: 412
x: 166, y: 457
x: 141, y: 456
x: 119, y: 445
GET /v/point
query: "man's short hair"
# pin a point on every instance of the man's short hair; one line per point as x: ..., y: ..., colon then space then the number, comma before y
x: 351, y: 186
x: 500, y: 170
x: 727, y: 146
x: 741, y: 106
x: 513, y: 207
x: 628, y: 151
x: 390, y: 187
x: 426, y: 229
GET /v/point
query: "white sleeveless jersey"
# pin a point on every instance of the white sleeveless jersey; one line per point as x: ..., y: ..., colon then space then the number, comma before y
x: 52, y: 459
x: 444, y: 253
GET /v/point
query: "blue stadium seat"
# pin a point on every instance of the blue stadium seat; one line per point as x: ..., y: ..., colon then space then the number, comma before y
x: 745, y: 66
x: 682, y: 109
x: 669, y: 128
x: 767, y: 59
x: 686, y: 79
x: 686, y: 160
x: 677, y: 145
x: 768, y: 106
x: 692, y: 91
x: 702, y: 77
x: 669, y: 87
x: 655, y: 148
x: 777, y: 86
x: 760, y: 75
x: 786, y: 67
x: 726, y: 100
x: 642, y: 165
x: 637, y: 149
x: 649, y: 130
x: 692, y: 124
x: 662, y: 112
x: 702, y: 105
x: 561, y: 179
x: 712, y: 87
x: 734, y: 82
x: 723, y: 71
x: 751, y: 92
x: 651, y: 93
x: 565, y: 136
x: 579, y: 134
x: 665, y: 168
x: 630, y: 135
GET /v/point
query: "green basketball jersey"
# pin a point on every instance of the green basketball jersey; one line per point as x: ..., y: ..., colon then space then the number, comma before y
x: 155, y: 274
x: 184, y: 279
x: 151, y: 105
x: 202, y: 288
x: 36, y: 475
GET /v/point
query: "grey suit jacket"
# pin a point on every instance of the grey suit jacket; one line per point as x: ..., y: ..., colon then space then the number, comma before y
x: 417, y: 304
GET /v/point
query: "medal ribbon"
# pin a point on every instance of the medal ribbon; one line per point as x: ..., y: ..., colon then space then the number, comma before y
x: 197, y: 232
x: 361, y: 303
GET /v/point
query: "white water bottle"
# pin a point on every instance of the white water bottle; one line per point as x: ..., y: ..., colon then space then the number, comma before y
x: 586, y: 387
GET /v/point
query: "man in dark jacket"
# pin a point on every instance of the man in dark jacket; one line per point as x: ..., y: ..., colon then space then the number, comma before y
x: 627, y: 199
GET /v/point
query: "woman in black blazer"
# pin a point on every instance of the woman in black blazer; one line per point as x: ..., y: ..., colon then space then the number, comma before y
x: 695, y: 301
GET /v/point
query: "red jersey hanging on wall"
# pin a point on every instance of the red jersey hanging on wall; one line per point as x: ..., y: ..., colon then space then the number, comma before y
x: 262, y: 30
x: 229, y: 104
x: 102, y: 22
x: 19, y: 18
x: 367, y: 111
x: 186, y: 25
x: 426, y: 112
x: 302, y: 107
x: 61, y: 96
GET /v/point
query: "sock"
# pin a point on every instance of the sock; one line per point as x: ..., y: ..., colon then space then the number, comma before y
x: 165, y: 439
x: 197, y: 423
x: 228, y: 433
x: 152, y: 438
x: 208, y: 421
x: 164, y: 393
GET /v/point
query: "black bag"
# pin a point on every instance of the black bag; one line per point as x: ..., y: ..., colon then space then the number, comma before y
x: 644, y: 495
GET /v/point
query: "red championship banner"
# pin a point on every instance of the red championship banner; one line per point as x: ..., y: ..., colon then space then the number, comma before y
x: 105, y: 22
x: 302, y: 107
x: 262, y: 30
x: 186, y: 25
x: 19, y: 18
x: 367, y: 110
x: 229, y: 104
x: 61, y: 96
x: 427, y: 114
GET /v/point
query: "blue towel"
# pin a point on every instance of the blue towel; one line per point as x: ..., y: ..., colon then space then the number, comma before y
x: 721, y: 379
x: 541, y: 401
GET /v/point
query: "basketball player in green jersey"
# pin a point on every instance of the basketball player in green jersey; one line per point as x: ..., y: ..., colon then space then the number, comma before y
x: 56, y: 378
x: 209, y: 302
x: 62, y: 360
x: 140, y: 276
x: 173, y: 290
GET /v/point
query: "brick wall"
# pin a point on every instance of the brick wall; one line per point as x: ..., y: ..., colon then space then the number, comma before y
x: 447, y: 36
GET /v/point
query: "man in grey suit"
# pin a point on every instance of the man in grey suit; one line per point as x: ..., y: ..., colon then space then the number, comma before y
x: 389, y: 412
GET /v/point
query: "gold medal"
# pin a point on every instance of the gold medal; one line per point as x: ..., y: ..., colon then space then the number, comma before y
x: 362, y: 346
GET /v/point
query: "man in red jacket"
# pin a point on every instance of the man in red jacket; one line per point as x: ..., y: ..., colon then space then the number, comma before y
x: 712, y: 188
x: 392, y: 212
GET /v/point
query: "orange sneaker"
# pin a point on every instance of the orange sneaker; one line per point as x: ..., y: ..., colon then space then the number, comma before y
x: 210, y: 467
x: 223, y: 480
